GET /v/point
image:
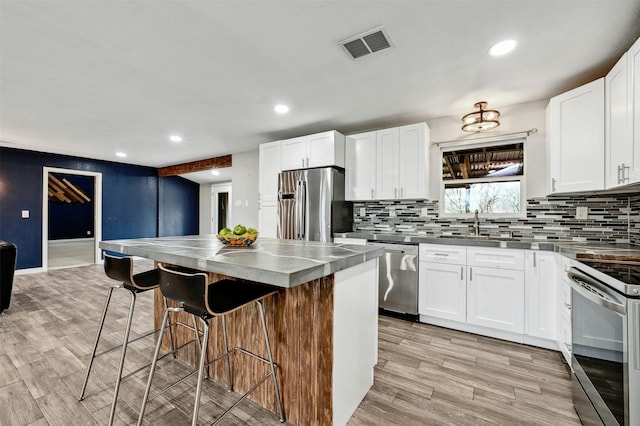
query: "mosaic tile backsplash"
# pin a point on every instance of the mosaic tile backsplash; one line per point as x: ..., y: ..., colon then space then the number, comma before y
x: 611, y: 218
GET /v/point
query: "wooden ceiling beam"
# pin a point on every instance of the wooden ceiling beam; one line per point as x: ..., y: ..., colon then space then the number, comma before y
x: 196, y: 166
x: 465, y: 167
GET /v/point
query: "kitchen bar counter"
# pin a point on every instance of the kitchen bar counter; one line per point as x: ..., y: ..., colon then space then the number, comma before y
x: 283, y: 263
x: 322, y: 324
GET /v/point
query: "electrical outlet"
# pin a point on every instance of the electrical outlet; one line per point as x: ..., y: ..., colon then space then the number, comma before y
x: 582, y: 213
x: 392, y: 212
x: 363, y: 212
x: 424, y: 212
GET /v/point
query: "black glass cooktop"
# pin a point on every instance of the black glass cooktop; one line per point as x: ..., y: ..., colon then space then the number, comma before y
x: 621, y: 271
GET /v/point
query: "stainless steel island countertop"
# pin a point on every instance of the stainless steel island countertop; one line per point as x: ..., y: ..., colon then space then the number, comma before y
x: 283, y: 263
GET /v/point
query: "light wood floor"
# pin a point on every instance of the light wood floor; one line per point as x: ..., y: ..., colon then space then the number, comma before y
x: 426, y: 375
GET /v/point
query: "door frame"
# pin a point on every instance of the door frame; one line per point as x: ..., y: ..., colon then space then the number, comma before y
x: 97, y: 211
x: 217, y: 188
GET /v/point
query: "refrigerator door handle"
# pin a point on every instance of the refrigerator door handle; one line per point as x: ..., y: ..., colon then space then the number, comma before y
x: 303, y: 208
x: 297, y: 216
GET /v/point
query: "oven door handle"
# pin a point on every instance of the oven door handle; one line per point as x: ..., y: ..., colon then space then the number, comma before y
x: 578, y: 282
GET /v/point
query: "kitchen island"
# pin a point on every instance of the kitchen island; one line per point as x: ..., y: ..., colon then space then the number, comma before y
x: 322, y: 325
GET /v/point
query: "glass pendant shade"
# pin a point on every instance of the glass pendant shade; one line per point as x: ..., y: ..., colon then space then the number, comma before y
x: 483, y: 119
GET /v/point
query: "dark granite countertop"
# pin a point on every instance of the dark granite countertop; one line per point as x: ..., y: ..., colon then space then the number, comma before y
x: 572, y: 249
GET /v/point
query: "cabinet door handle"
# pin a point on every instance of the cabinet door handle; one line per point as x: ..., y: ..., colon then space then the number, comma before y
x: 401, y: 192
x: 534, y: 260
x: 461, y: 273
x: 625, y: 176
x: 302, y: 161
x: 307, y: 161
x: 553, y: 184
x: 372, y: 193
x: 441, y: 254
x: 619, y: 170
x: 568, y: 306
x: 395, y: 192
x: 470, y: 273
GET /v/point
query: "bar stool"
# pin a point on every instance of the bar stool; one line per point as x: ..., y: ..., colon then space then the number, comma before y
x: 208, y: 301
x: 121, y: 269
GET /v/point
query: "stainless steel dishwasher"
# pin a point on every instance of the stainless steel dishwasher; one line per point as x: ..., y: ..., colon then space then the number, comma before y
x: 398, y: 278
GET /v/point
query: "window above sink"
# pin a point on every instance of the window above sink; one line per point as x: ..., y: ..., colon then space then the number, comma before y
x: 484, y: 177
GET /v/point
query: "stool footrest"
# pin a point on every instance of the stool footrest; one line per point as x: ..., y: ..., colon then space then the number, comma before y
x: 163, y: 356
x: 119, y: 346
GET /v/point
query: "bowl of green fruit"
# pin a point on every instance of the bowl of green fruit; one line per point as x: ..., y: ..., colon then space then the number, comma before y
x: 240, y: 236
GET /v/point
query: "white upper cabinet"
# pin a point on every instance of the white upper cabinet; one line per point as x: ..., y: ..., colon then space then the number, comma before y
x: 270, y: 164
x: 360, y: 173
x: 576, y: 139
x: 317, y: 150
x: 617, y: 137
x: 388, y: 164
x: 387, y: 174
x: 623, y: 120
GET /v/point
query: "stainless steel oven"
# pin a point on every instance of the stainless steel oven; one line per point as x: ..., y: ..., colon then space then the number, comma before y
x: 606, y: 342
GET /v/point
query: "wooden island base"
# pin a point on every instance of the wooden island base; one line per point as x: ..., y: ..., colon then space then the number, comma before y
x: 300, y: 321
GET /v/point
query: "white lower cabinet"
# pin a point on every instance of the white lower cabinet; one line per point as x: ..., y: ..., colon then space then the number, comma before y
x: 495, y: 298
x: 540, y: 283
x: 504, y: 293
x: 443, y: 291
x: 564, y: 307
x: 268, y: 220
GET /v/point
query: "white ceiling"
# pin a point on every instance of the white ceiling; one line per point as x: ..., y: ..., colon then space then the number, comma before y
x: 93, y: 78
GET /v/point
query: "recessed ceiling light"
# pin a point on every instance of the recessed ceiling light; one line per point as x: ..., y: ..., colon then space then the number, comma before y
x: 502, y: 47
x: 121, y: 154
x: 215, y: 172
x: 281, y: 109
x: 175, y: 138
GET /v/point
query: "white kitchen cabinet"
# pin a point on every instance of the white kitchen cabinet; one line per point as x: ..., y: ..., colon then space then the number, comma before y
x: 387, y: 164
x: 268, y: 220
x: 317, y: 150
x: 617, y: 137
x: 442, y: 283
x: 577, y: 139
x: 442, y: 291
x: 622, y: 88
x: 540, y: 295
x: 270, y: 164
x: 495, y: 298
x: 360, y: 170
x: 395, y: 169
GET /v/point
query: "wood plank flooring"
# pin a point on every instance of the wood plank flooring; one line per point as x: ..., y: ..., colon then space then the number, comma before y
x: 425, y: 376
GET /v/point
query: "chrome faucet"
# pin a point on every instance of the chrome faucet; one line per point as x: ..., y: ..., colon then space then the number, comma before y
x: 476, y: 223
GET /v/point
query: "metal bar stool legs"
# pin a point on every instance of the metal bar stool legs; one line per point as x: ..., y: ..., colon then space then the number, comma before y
x: 125, y: 342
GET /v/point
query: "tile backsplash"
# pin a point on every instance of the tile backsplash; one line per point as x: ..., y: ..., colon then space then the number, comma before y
x: 613, y: 218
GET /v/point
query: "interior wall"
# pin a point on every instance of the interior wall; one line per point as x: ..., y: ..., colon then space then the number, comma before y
x: 73, y: 220
x: 178, y: 206
x: 244, y: 206
x: 204, y: 221
x: 513, y: 118
x: 129, y: 202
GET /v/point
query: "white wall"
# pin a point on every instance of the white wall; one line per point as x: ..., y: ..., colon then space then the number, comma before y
x: 244, y: 206
x: 513, y: 118
x: 204, y: 222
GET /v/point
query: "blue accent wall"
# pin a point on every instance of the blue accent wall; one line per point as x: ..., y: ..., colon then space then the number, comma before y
x: 75, y: 219
x: 131, y: 197
x: 176, y: 191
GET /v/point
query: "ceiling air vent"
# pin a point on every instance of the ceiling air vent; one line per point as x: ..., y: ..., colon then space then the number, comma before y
x: 367, y: 42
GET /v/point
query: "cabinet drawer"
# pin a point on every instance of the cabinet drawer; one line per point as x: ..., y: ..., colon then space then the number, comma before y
x: 495, y: 258
x: 443, y: 254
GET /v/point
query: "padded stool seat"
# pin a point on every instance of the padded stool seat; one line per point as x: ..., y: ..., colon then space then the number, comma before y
x: 226, y: 296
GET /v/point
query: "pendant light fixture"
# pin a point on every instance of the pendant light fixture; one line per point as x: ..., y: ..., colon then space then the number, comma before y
x: 483, y: 119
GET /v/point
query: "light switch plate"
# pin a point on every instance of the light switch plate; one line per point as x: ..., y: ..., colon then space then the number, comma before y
x: 25, y: 214
x: 582, y: 213
x: 237, y: 203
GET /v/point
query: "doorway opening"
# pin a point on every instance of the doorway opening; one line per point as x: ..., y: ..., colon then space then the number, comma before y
x: 71, y: 219
x: 220, y: 206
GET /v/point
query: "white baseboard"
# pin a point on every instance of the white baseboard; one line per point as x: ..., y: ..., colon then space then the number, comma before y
x: 27, y: 271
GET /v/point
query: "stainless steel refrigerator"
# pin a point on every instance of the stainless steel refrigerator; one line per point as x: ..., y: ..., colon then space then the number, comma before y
x: 311, y: 204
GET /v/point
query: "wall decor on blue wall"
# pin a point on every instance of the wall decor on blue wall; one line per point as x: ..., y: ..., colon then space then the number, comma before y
x: 131, y: 200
